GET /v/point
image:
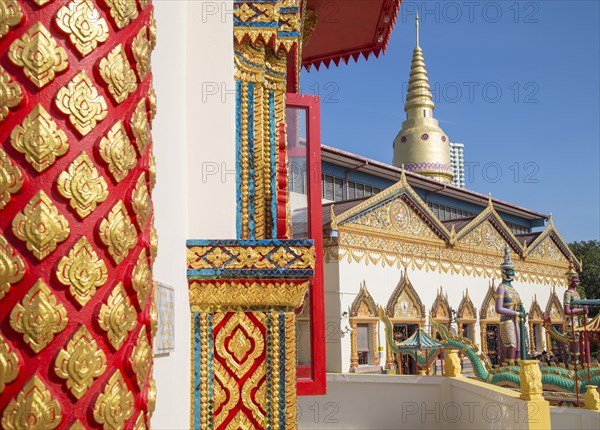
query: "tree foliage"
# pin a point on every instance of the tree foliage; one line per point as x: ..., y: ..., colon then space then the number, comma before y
x: 589, y: 253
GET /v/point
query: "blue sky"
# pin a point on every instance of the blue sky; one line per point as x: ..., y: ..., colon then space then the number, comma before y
x: 517, y: 82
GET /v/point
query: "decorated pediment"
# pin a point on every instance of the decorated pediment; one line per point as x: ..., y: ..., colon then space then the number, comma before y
x: 398, y: 210
x: 488, y: 307
x: 550, y: 246
x: 441, y: 311
x: 535, y: 312
x: 487, y: 231
x: 405, y: 302
x: 554, y: 308
x: 363, y: 305
x: 466, y: 310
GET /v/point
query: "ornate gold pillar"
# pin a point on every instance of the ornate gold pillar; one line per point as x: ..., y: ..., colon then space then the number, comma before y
x: 353, y: 345
x: 375, y: 344
x: 483, y: 335
x: 532, y: 345
x: 76, y: 237
x: 243, y: 291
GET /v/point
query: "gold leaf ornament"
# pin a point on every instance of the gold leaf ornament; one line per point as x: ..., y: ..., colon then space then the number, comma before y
x: 152, y: 30
x: 39, y: 55
x: 115, y: 404
x: 118, y: 233
x: 12, y: 267
x: 39, y: 316
x: 140, y: 126
x: 82, y: 185
x: 141, y: 202
x: 140, y: 47
x: 10, y: 91
x: 40, y: 226
x: 82, y: 103
x: 34, y: 408
x: 11, y: 179
x: 239, y: 342
x: 82, y: 271
x: 122, y: 11
x: 39, y: 139
x: 118, y: 152
x: 117, y: 316
x: 84, y: 25
x: 9, y: 364
x: 141, y: 279
x: 80, y: 362
x: 141, y: 358
x: 116, y: 72
x: 10, y: 16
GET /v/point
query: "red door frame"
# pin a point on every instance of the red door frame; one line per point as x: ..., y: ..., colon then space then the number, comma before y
x: 316, y: 384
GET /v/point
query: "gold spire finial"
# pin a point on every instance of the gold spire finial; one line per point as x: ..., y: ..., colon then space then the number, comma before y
x: 417, y: 26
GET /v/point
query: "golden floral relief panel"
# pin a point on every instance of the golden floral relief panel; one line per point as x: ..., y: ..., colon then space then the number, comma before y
x: 9, y: 364
x: 12, y: 267
x: 140, y: 48
x: 118, y: 233
x: 11, y: 93
x: 10, y: 16
x: 11, y: 179
x: 39, y: 139
x: 117, y: 317
x: 38, y: 317
x: 117, y: 74
x: 118, y: 152
x: 122, y: 11
x: 39, y: 55
x: 83, y: 23
x: 115, y: 404
x: 82, y: 185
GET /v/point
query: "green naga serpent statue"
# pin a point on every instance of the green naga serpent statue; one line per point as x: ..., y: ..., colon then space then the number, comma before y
x: 553, y: 378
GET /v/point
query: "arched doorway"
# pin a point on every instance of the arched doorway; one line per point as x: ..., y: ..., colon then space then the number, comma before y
x: 467, y: 317
x: 554, y: 310
x: 407, y: 314
x: 489, y: 324
x: 535, y: 321
x: 363, y: 337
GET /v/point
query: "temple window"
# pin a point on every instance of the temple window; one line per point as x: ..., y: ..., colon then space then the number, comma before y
x: 489, y: 325
x: 467, y: 317
x: 363, y: 336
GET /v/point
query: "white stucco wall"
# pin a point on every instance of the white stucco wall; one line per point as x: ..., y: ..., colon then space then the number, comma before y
x: 381, y: 283
x: 194, y: 134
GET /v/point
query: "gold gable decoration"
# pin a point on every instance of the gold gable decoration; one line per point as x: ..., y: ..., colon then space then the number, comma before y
x: 441, y: 312
x: 405, y: 303
x: 488, y: 306
x: 535, y: 312
x: 554, y: 308
x: 549, y: 246
x: 466, y: 309
x: 363, y: 305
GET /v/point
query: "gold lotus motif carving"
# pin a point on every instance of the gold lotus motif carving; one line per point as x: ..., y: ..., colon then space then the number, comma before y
x: 82, y: 185
x: 115, y: 405
x: 122, y: 11
x: 39, y: 139
x: 117, y: 316
x: 33, y: 408
x: 152, y: 30
x: 118, y: 152
x: 80, y: 362
x: 140, y: 48
x: 84, y: 25
x: 82, y: 271
x: 151, y: 397
x: 152, y: 170
x: 141, y: 202
x: 12, y: 267
x: 140, y: 422
x: 116, y: 72
x: 40, y: 226
x: 141, y: 279
x: 239, y: 342
x: 10, y: 92
x: 39, y: 55
x: 82, y: 103
x: 10, y: 16
x: 11, y: 179
x: 226, y: 394
x: 153, y: 244
x: 141, y: 358
x: 39, y: 316
x: 118, y: 233
x: 152, y: 101
x: 140, y: 126
x: 9, y: 364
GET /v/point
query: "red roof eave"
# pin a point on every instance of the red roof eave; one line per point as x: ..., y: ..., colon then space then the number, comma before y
x: 347, y: 29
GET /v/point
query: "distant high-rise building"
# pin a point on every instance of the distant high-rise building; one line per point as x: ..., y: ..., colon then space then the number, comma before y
x: 457, y: 160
